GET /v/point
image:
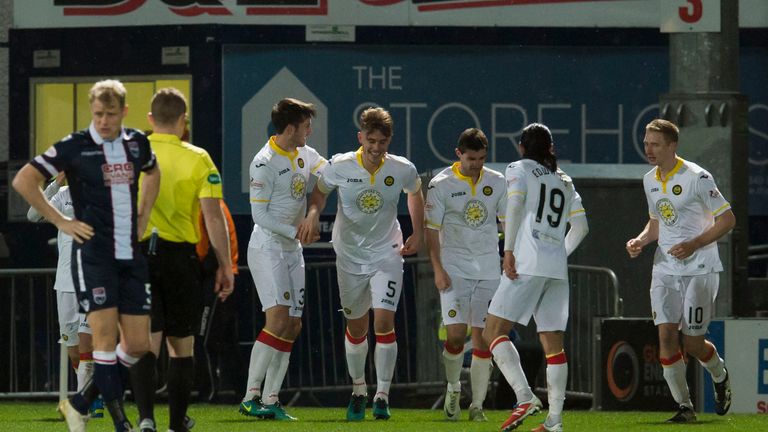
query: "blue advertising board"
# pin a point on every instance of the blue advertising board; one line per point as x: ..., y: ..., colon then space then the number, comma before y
x: 596, y: 100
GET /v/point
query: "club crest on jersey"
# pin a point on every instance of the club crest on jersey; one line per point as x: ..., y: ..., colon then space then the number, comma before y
x: 99, y: 295
x: 133, y: 148
x: 64, y: 337
x: 300, y: 162
x: 369, y: 201
x: 666, y: 211
x: 487, y: 191
x: 475, y: 213
x: 389, y: 181
x: 677, y: 189
x: 298, y: 186
x: 287, y: 295
x: 452, y: 313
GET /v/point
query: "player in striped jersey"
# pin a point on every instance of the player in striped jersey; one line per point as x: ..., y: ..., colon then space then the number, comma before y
x: 278, y: 192
x: 541, y: 203
x: 102, y: 165
x: 463, y: 202
x: 687, y: 216
x: 369, y: 248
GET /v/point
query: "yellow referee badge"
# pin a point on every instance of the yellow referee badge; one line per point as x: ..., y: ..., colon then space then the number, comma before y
x: 389, y: 181
x: 487, y: 191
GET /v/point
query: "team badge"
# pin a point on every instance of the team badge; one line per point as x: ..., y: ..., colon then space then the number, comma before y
x: 300, y: 162
x: 452, y: 313
x: 133, y: 148
x: 85, y: 305
x: 347, y: 311
x: 64, y: 337
x: 487, y: 191
x: 99, y: 295
x: 214, y: 178
x: 714, y: 193
x: 369, y: 201
x: 287, y: 295
x: 666, y: 211
x: 677, y: 190
x: 298, y: 186
x: 475, y: 213
x: 389, y: 181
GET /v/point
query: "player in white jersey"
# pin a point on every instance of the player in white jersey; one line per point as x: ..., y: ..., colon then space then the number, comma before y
x: 369, y: 248
x: 687, y: 217
x: 73, y: 326
x: 542, y: 201
x: 278, y: 193
x: 463, y: 203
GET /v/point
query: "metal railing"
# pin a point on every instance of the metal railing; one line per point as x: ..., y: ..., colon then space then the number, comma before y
x: 29, y: 334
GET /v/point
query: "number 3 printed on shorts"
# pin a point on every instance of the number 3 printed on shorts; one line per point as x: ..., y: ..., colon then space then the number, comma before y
x: 391, y: 288
x: 691, y: 13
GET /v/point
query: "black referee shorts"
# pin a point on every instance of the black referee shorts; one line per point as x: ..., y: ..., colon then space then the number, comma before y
x: 177, y: 294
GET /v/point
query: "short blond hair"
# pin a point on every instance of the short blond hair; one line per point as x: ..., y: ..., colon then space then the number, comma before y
x: 665, y: 127
x: 108, y: 92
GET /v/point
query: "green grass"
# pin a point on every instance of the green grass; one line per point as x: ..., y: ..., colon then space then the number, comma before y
x: 42, y: 416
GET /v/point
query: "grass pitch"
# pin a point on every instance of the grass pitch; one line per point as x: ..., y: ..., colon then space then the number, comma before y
x: 42, y: 417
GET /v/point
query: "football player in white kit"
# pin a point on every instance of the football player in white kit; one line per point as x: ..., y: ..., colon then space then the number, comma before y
x: 278, y: 193
x: 73, y: 326
x: 542, y: 201
x: 687, y: 217
x: 463, y: 203
x: 369, y: 248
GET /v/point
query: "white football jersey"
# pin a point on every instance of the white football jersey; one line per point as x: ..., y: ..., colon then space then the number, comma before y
x: 685, y: 203
x: 60, y: 198
x: 366, y: 229
x: 278, y: 193
x: 465, y: 214
x: 550, y: 202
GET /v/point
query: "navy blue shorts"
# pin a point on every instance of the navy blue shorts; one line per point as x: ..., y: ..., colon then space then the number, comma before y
x: 103, y: 282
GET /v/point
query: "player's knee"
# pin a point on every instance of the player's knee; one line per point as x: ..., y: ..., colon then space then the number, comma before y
x: 455, y: 343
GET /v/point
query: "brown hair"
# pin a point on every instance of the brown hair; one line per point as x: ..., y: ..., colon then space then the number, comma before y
x: 168, y: 104
x: 376, y: 119
x: 108, y: 92
x: 472, y: 139
x: 290, y: 111
x: 670, y: 131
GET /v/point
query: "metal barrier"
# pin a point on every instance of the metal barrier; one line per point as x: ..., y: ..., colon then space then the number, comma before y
x: 28, y: 330
x: 29, y: 363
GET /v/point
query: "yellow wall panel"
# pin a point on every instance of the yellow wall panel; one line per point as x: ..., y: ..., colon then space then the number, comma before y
x: 82, y: 107
x: 138, y: 100
x: 54, y: 114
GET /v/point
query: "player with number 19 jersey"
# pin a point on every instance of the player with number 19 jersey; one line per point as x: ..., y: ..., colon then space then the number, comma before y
x: 550, y: 202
